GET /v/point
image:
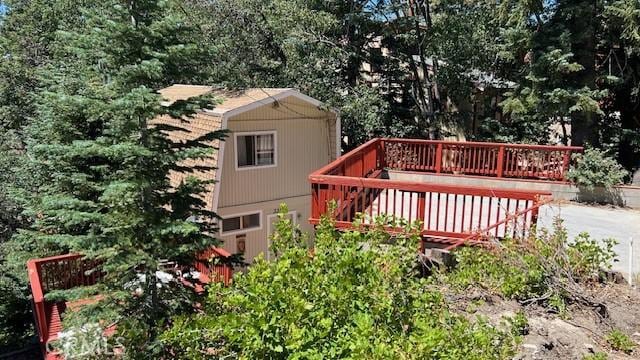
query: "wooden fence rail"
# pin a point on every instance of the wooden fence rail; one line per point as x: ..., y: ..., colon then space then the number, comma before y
x: 520, y: 161
x: 73, y: 270
x: 454, y: 214
x: 56, y: 273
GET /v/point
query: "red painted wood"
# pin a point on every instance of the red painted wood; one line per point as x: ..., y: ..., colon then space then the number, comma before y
x: 439, y: 158
x: 500, y: 161
x: 68, y: 271
x: 354, y: 180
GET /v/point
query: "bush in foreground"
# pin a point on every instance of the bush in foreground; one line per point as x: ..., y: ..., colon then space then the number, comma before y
x: 357, y: 295
x: 544, y: 268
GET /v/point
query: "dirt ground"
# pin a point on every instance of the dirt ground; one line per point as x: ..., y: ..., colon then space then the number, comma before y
x: 551, y: 336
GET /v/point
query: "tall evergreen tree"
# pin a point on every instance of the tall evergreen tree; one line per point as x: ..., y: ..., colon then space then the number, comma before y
x: 27, y: 29
x: 103, y: 168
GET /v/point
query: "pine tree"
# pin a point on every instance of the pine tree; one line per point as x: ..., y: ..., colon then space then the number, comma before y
x: 103, y: 169
x: 27, y: 29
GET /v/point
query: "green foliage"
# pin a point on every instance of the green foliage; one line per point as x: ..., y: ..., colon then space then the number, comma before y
x: 101, y: 168
x: 595, y: 169
x: 80, y: 171
x: 15, y: 323
x: 620, y: 341
x: 588, y: 257
x: 536, y: 268
x: 519, y: 324
x: 356, y: 295
x: 596, y: 356
x: 488, y: 269
x: 26, y: 33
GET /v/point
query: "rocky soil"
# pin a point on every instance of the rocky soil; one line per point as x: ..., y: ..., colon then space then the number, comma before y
x: 574, y: 335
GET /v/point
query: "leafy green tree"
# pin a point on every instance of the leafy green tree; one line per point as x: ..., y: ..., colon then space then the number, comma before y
x: 320, y: 47
x: 621, y: 129
x: 356, y: 295
x: 102, y: 169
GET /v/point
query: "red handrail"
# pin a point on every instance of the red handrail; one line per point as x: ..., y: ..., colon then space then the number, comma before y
x: 41, y: 282
x: 38, y: 300
x: 486, y: 144
x: 67, y: 271
x: 354, y: 182
x: 543, y: 162
x: 353, y: 156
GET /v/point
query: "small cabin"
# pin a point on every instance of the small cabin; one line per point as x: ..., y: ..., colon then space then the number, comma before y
x: 277, y: 136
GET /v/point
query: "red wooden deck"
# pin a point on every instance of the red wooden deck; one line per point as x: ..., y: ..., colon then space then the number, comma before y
x: 71, y: 270
x: 451, y: 215
x: 56, y: 273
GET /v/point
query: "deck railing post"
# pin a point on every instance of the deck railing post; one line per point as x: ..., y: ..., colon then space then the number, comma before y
x: 534, y: 212
x: 381, y: 154
x: 500, y: 162
x: 35, y: 279
x: 566, y: 159
x: 315, y: 205
x: 422, y: 200
x: 439, y: 158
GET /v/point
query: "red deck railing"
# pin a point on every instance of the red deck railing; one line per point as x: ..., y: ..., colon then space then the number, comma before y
x: 72, y: 270
x: 450, y: 214
x: 56, y: 273
x: 478, y: 158
x: 209, y: 264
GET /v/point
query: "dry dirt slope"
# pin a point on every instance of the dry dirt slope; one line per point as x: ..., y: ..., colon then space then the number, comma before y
x: 580, y: 333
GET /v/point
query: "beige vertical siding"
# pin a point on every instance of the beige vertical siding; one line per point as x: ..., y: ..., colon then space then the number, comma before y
x: 305, y: 142
x: 256, y: 241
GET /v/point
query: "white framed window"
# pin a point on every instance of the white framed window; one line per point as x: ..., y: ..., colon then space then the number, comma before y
x: 241, y: 223
x: 255, y: 149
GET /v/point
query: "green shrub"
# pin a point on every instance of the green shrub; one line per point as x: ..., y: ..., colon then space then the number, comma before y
x: 16, y: 320
x: 537, y: 268
x: 588, y: 257
x: 596, y: 356
x: 357, y: 296
x: 519, y: 324
x: 594, y: 169
x: 619, y: 341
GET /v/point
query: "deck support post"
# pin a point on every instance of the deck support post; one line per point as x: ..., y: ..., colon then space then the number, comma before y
x: 316, y: 203
x: 380, y: 149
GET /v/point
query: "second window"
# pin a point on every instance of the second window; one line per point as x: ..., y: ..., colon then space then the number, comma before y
x: 257, y: 149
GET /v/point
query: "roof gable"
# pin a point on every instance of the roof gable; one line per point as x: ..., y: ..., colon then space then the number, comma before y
x: 233, y: 102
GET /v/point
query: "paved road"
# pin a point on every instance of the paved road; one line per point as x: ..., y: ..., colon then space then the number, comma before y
x: 600, y: 223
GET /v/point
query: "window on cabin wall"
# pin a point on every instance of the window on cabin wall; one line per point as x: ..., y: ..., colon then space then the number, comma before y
x: 241, y: 223
x: 255, y: 149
